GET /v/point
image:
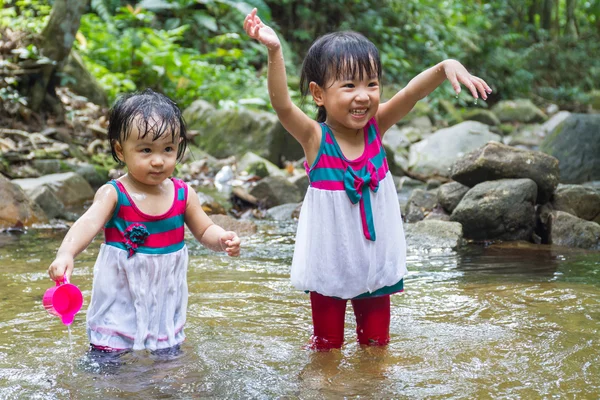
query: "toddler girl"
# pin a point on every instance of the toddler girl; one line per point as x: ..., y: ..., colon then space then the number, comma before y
x: 139, y: 294
x: 350, y: 243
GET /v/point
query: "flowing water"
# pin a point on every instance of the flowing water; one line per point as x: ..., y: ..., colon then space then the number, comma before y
x: 488, y: 322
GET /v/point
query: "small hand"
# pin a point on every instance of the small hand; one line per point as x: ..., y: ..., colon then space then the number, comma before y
x: 61, y: 266
x: 230, y: 243
x: 456, y: 72
x: 256, y: 29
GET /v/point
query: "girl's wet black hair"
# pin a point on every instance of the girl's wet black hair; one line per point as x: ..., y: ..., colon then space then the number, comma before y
x: 158, y: 115
x: 339, y: 55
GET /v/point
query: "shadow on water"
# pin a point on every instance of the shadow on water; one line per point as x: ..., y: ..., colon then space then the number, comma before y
x: 500, y: 321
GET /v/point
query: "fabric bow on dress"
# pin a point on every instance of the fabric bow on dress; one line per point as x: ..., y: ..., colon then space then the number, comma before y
x: 357, y: 188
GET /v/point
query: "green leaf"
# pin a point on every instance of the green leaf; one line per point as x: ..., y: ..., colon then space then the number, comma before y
x: 206, y: 21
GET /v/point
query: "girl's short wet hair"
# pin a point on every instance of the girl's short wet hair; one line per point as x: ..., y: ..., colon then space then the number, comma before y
x: 153, y: 113
x: 339, y: 55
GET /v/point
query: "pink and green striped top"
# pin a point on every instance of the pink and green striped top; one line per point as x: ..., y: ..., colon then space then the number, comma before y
x: 331, y: 170
x: 134, y: 231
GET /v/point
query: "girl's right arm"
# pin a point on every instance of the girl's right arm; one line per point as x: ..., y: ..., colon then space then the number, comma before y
x: 83, y: 232
x: 305, y: 130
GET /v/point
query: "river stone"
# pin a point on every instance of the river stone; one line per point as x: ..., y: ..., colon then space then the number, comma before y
x: 576, y: 144
x: 16, y: 207
x: 226, y: 132
x: 275, y: 190
x: 70, y: 188
x: 484, y: 116
x: 239, y: 226
x: 450, y: 194
x: 283, y: 212
x: 580, y: 201
x: 250, y: 163
x: 436, y: 154
x: 520, y: 110
x: 419, y: 204
x: 565, y: 229
x: 434, y: 234
x: 498, y: 210
x: 499, y: 161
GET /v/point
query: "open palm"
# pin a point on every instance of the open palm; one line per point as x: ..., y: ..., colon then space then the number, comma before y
x: 256, y: 29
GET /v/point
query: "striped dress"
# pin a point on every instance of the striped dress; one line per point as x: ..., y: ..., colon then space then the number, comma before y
x: 139, y: 295
x: 350, y: 241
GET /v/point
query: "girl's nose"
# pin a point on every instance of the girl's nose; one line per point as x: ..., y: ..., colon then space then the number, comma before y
x: 157, y: 160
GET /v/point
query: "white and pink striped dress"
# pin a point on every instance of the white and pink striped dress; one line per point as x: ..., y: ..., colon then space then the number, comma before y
x: 350, y: 241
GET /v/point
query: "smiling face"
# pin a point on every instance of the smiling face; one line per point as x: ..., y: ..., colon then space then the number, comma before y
x: 149, y: 159
x: 350, y: 102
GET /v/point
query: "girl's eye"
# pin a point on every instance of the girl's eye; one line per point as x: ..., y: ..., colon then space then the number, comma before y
x: 147, y: 150
x: 349, y: 85
x: 373, y: 84
x: 168, y: 149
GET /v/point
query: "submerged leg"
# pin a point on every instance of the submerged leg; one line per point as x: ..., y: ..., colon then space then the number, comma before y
x: 328, y: 321
x: 372, y: 320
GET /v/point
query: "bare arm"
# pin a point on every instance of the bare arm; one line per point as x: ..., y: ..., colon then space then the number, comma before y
x: 207, y: 232
x: 293, y: 119
x: 426, y: 82
x: 83, y: 232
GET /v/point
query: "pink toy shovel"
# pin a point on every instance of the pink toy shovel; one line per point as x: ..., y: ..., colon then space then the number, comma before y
x: 63, y: 300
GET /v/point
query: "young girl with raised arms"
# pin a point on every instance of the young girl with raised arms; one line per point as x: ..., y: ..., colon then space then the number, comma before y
x: 350, y: 242
x: 139, y: 293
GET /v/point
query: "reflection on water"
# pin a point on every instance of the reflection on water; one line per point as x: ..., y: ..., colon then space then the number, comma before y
x: 516, y: 321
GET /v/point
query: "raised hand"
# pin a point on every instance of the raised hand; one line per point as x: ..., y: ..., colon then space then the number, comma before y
x: 256, y: 29
x: 457, y: 74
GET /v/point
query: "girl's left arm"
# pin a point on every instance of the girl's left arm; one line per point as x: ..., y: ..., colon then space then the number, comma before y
x: 207, y: 232
x: 426, y: 82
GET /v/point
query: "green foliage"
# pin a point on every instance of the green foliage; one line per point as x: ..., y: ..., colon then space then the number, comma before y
x: 25, y: 15
x: 137, y: 51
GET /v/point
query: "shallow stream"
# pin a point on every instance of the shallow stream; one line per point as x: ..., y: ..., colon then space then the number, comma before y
x: 488, y: 322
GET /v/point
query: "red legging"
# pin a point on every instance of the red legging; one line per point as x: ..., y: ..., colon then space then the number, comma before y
x: 372, y: 321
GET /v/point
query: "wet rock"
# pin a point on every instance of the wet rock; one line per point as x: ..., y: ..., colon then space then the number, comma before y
x: 209, y: 204
x: 498, y: 210
x: 498, y: 161
x: 520, y: 110
x: 16, y: 207
x: 484, y: 116
x: 70, y: 188
x: 576, y: 144
x: 436, y: 154
x: 420, y: 204
x: 433, y: 234
x: 227, y: 132
x: 241, y: 227
x: 275, y: 190
x: 253, y: 164
x: 301, y: 181
x: 450, y: 194
x: 580, y: 201
x: 283, y: 212
x: 565, y: 229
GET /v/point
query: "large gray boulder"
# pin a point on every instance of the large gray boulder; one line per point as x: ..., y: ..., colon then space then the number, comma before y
x: 16, y: 207
x: 434, y: 234
x: 450, y: 194
x: 276, y: 190
x: 70, y: 188
x: 576, y: 144
x: 564, y: 229
x: 499, y: 161
x: 226, y: 132
x: 436, y: 154
x: 520, y: 110
x: 498, y: 210
x: 578, y: 200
